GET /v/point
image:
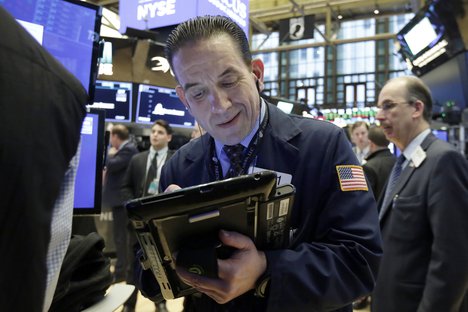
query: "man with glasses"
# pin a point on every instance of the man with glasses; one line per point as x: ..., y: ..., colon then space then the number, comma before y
x: 423, y: 211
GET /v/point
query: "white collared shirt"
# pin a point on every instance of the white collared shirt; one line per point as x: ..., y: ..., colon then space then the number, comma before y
x: 411, y: 148
x: 161, y: 160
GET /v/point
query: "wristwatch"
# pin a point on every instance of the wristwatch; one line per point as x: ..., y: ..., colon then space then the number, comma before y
x: 263, y: 285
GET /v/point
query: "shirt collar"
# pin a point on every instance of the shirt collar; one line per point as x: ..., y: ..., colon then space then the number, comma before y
x: 411, y: 148
x: 160, y: 152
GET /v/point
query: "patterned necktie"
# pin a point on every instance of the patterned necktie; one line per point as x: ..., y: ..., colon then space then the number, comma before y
x: 235, y: 155
x: 396, y: 171
x: 152, y: 172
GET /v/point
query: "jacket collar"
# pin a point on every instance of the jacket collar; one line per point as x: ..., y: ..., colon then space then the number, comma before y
x: 405, y: 175
x: 283, y: 131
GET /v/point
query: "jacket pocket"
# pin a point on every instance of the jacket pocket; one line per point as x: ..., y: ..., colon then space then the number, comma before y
x: 408, y: 217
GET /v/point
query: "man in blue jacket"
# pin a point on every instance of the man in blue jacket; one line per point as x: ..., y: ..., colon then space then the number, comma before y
x: 335, y: 252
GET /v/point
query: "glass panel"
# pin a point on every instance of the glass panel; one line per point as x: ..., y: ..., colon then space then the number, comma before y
x: 349, y: 95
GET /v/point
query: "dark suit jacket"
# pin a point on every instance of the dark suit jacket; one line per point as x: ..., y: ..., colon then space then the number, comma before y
x: 377, y: 168
x: 116, y: 166
x: 336, y: 249
x: 425, y: 262
x: 42, y: 107
x: 134, y: 179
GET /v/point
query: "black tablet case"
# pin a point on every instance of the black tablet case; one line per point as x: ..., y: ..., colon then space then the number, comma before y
x: 249, y: 204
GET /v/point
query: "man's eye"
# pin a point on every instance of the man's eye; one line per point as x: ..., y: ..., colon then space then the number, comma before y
x: 197, y: 94
x: 388, y: 106
x: 229, y: 83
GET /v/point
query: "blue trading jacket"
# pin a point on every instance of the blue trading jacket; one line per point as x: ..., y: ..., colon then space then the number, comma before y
x: 334, y: 256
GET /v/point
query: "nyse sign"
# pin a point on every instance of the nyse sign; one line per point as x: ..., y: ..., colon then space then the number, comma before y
x: 155, y: 9
x: 151, y: 14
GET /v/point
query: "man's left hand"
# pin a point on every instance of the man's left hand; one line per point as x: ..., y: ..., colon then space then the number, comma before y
x: 236, y: 275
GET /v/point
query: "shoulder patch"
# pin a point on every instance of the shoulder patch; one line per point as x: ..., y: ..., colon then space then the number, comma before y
x: 351, y: 178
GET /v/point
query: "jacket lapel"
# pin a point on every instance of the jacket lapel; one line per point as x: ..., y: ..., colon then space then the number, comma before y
x: 405, y: 176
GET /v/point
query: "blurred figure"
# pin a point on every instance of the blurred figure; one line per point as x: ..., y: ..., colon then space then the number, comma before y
x: 142, y: 179
x: 423, y: 210
x: 379, y: 162
x: 42, y: 110
x: 377, y: 167
x: 359, y: 131
x: 197, y: 131
x: 119, y: 155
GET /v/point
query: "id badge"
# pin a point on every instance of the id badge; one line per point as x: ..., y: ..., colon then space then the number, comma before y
x: 153, y: 187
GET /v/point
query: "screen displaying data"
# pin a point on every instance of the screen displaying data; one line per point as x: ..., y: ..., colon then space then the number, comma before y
x: 161, y: 103
x: 115, y: 98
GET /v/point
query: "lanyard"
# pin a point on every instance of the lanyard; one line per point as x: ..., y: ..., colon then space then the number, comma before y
x: 249, y: 154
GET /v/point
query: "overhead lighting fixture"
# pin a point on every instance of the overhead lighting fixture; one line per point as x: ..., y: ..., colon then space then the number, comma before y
x: 339, y: 16
x: 376, y: 10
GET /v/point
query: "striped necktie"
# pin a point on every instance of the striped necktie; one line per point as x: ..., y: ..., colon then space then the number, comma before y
x: 392, y: 181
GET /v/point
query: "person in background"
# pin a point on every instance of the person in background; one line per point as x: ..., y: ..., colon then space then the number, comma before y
x: 118, y: 158
x: 197, y: 131
x: 142, y: 179
x: 379, y: 161
x: 335, y: 251
x: 377, y: 167
x: 359, y: 131
x: 423, y: 210
x: 42, y: 110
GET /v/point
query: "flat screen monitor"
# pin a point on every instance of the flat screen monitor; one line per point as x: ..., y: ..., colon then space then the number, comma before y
x: 88, y: 182
x: 420, y: 36
x: 430, y: 38
x: 67, y: 29
x: 161, y: 103
x: 441, y: 134
x: 115, y: 97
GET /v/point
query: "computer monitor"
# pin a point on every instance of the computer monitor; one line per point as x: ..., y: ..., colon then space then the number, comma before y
x: 430, y: 38
x: 67, y: 29
x: 115, y: 97
x: 161, y: 103
x: 441, y: 134
x: 88, y: 182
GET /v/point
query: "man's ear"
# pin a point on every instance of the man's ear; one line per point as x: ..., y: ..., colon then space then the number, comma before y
x: 419, y: 109
x: 258, y: 71
x: 181, y: 94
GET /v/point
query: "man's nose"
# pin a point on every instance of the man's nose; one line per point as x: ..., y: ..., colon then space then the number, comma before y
x: 219, y: 101
x: 380, y: 115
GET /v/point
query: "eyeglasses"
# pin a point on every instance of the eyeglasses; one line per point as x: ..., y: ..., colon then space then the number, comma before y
x: 387, y: 106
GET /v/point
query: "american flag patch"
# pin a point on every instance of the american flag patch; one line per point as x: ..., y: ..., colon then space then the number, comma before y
x: 351, y: 178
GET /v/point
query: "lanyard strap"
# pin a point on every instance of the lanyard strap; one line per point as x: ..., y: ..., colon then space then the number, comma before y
x: 249, y: 154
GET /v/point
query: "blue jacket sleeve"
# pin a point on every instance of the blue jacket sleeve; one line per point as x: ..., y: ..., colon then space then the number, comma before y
x: 336, y: 251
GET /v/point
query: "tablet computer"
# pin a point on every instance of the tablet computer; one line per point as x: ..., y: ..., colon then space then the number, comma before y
x: 190, y: 218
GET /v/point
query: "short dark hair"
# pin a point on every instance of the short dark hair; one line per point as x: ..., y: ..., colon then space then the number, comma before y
x: 164, y: 124
x: 205, y: 27
x: 120, y: 131
x: 418, y: 90
x: 377, y: 136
